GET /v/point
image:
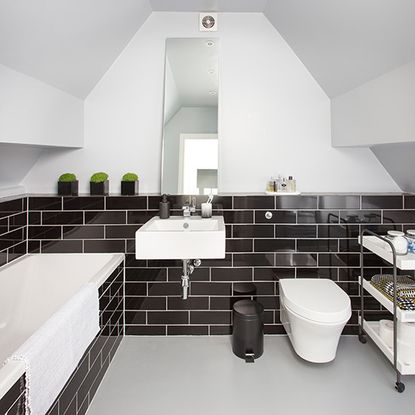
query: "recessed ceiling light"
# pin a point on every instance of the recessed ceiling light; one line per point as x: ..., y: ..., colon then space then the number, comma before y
x: 211, y: 71
x: 210, y: 43
x: 212, y: 92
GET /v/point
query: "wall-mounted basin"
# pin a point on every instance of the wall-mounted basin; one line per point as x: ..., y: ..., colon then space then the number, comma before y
x: 181, y: 238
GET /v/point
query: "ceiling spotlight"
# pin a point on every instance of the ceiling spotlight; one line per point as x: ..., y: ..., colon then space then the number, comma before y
x: 210, y: 43
x: 212, y: 92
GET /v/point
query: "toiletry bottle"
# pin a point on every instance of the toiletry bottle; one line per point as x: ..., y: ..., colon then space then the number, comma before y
x: 164, y: 208
x: 278, y: 184
x: 271, y: 185
x: 283, y: 185
x: 291, y: 184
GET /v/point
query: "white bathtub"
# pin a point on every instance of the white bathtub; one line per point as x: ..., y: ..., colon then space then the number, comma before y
x: 34, y: 287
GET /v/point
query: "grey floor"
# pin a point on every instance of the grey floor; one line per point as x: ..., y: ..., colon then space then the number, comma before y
x: 200, y: 376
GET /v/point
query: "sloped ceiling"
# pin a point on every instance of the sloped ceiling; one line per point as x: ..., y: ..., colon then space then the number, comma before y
x: 346, y: 43
x: 398, y: 160
x: 209, y: 5
x: 12, y: 173
x: 69, y: 44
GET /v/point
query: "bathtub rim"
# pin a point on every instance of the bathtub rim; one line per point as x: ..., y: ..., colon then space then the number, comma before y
x: 12, y: 371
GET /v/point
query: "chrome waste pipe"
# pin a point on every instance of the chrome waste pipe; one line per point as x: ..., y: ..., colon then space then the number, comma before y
x: 185, y: 278
x: 188, y: 268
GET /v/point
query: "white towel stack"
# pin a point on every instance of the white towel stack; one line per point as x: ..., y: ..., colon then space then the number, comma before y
x: 54, y: 351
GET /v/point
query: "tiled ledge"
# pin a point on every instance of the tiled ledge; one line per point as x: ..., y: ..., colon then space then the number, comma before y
x: 19, y: 196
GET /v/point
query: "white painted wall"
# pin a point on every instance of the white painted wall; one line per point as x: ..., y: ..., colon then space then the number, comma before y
x: 273, y: 116
x: 34, y: 113
x: 203, y: 120
x: 380, y: 111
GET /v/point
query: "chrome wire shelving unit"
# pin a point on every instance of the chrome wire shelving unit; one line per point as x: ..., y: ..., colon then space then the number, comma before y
x: 379, y: 245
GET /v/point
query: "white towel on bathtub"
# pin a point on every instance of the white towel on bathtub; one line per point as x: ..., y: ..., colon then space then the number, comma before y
x: 53, y: 352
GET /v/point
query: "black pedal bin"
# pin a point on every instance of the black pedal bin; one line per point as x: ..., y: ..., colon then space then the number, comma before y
x: 248, y: 330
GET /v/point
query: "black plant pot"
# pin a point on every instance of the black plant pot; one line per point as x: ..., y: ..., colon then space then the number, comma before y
x: 101, y: 189
x: 68, y: 188
x: 129, y: 188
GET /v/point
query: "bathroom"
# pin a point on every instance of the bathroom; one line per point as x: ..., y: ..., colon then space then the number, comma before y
x: 298, y: 119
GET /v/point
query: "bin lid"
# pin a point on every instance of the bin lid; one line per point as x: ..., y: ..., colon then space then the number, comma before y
x: 248, y: 308
x: 244, y: 288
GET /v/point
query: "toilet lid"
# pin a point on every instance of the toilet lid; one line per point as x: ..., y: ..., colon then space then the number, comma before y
x: 319, y: 300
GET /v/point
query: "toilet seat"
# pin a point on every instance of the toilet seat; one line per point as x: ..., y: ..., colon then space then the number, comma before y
x: 319, y: 300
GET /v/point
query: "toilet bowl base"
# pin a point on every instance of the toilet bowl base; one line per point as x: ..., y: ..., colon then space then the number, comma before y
x: 312, y: 341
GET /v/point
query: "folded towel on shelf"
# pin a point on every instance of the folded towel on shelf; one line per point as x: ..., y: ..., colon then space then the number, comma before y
x: 53, y: 352
x: 405, y: 289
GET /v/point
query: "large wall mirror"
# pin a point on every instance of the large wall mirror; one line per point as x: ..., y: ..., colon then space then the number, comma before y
x: 190, y: 130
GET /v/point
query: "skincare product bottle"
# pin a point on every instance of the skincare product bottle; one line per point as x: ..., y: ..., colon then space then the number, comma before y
x: 164, y: 208
x: 271, y: 185
x: 283, y: 185
x: 278, y: 184
x: 291, y: 184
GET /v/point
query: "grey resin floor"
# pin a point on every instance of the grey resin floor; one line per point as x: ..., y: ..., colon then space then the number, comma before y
x: 201, y: 376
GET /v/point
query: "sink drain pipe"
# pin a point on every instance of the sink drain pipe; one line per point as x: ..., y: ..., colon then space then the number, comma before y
x: 188, y: 268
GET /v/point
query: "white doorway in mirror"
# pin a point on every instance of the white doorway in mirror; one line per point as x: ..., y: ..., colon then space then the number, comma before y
x: 198, y: 164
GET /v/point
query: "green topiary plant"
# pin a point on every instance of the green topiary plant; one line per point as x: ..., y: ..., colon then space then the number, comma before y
x: 99, y: 177
x: 129, y: 184
x: 67, y: 185
x: 67, y: 178
x: 129, y: 177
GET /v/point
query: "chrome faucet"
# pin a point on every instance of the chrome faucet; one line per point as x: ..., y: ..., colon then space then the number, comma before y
x: 189, y: 207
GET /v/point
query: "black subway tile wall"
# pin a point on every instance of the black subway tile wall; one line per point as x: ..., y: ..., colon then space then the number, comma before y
x: 78, y: 392
x: 13, y: 402
x: 13, y: 229
x: 308, y: 236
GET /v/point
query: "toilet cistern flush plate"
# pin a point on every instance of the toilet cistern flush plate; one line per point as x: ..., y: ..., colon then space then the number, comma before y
x: 181, y: 238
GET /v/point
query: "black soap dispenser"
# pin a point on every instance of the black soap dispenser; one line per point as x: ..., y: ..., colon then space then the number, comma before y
x: 164, y: 208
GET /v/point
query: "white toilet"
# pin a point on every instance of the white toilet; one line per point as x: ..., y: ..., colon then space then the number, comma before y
x: 314, y: 313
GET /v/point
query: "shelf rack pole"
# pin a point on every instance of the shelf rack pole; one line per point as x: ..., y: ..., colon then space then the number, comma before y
x: 362, y: 337
x: 399, y: 385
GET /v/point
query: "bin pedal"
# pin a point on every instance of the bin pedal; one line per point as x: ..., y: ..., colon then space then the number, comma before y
x: 249, y: 357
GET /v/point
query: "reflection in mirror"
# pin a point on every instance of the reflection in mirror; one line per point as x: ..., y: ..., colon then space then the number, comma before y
x: 190, y: 131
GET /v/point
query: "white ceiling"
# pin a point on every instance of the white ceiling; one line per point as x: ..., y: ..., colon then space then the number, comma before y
x: 69, y: 44
x: 198, y: 77
x: 209, y: 5
x: 345, y: 43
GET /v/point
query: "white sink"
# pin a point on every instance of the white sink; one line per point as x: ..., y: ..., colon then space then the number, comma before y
x: 181, y: 238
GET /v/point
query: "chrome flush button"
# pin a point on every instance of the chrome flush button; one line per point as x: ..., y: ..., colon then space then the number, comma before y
x: 268, y: 215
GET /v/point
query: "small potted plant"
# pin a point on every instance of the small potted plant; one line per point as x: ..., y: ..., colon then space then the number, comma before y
x: 68, y: 185
x: 99, y: 184
x: 129, y: 184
